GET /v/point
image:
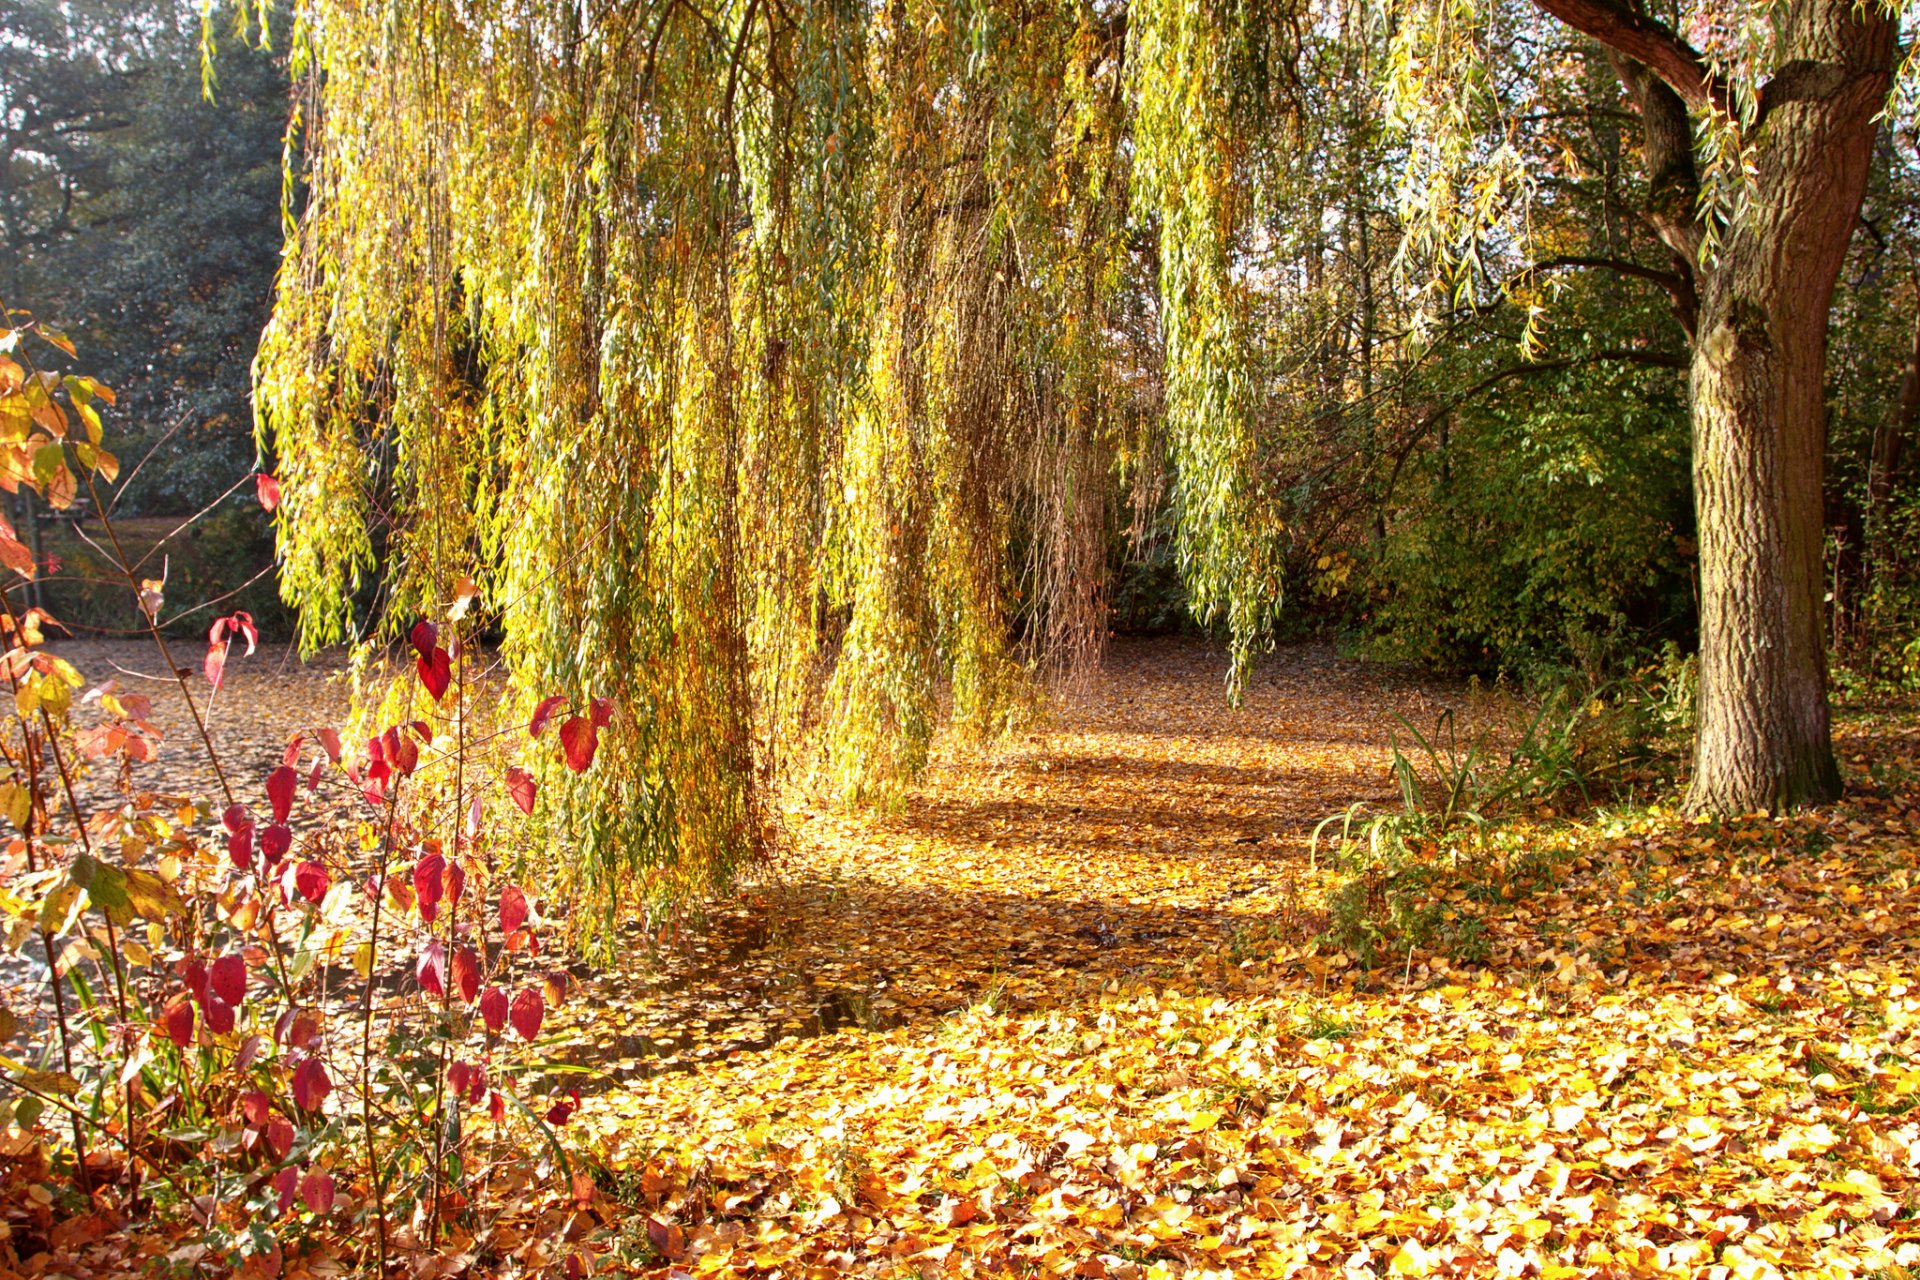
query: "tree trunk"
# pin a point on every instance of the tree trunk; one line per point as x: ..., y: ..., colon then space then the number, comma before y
x: 1759, y: 419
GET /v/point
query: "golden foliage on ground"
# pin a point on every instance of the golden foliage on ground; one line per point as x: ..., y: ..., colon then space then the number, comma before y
x: 1080, y: 1027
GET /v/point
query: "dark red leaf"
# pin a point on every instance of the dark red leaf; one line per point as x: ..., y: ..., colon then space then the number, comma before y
x: 423, y: 637
x: 580, y: 739
x: 219, y: 1015
x: 317, y: 1190
x: 542, y: 714
x: 455, y: 881
x: 427, y: 884
x: 513, y: 908
x: 228, y: 979
x: 310, y: 1084
x: 282, y: 783
x: 267, y: 489
x: 528, y: 1012
x: 240, y: 848
x: 521, y: 787
x: 257, y: 1107
x: 287, y: 1183
x: 436, y: 672
x: 279, y: 1135
x: 179, y: 1020
x: 194, y: 974
x: 497, y: 1107
x: 493, y: 1009
x: 312, y: 881
x: 275, y: 841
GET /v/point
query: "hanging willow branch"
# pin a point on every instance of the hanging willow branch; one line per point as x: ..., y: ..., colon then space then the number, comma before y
x: 762, y: 364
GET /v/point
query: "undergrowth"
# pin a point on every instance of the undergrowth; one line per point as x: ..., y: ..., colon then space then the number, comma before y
x: 280, y: 1021
x: 1419, y: 878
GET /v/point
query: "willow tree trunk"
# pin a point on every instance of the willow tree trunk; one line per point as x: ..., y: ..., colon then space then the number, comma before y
x: 1759, y: 418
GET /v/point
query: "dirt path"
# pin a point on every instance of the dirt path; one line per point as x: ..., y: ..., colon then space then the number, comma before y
x: 1134, y: 837
x: 263, y: 700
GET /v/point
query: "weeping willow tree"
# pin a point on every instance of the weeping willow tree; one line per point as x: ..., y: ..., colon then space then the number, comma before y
x: 766, y: 364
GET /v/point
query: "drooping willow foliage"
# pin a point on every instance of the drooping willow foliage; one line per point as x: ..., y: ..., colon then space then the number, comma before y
x: 771, y: 364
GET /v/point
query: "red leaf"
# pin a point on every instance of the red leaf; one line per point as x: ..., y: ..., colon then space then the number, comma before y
x: 194, y: 974
x: 466, y: 973
x: 216, y: 663
x: 279, y: 1135
x: 317, y: 1190
x: 602, y: 712
x: 493, y: 1009
x: 423, y: 636
x: 455, y: 881
x: 521, y: 787
x: 581, y: 738
x: 563, y: 1110
x: 542, y: 714
x: 286, y: 1182
x: 179, y: 1020
x: 312, y: 881
x: 236, y: 818
x: 240, y: 848
x: 436, y: 672
x: 281, y: 785
x: 267, y: 489
x: 219, y: 1015
x: 432, y: 967
x: 275, y: 841
x: 257, y: 1107
x: 460, y: 1077
x: 399, y: 751
x: 513, y: 908
x: 528, y: 1011
x: 330, y: 739
x: 497, y: 1107
x: 310, y: 1084
x: 228, y: 980
x: 291, y: 756
x: 313, y: 775
x: 243, y: 623
x: 427, y: 875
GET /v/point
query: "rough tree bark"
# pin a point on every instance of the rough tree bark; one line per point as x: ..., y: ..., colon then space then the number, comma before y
x: 1758, y: 371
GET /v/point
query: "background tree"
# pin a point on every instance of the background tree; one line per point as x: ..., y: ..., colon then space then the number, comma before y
x: 145, y: 218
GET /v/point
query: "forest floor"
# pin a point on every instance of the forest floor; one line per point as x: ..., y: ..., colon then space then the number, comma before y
x: 1069, y: 1010
x: 1065, y: 1013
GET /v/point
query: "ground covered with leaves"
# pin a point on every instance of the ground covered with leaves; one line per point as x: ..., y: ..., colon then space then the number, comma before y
x: 1066, y: 1014
x: 1072, y: 1009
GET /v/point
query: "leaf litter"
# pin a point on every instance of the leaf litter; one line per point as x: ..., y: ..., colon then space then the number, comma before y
x: 1068, y: 1013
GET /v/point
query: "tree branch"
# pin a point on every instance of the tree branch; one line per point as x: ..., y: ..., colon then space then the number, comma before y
x: 1648, y: 42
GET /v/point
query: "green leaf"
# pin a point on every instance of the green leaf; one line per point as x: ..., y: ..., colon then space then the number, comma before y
x: 105, y: 885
